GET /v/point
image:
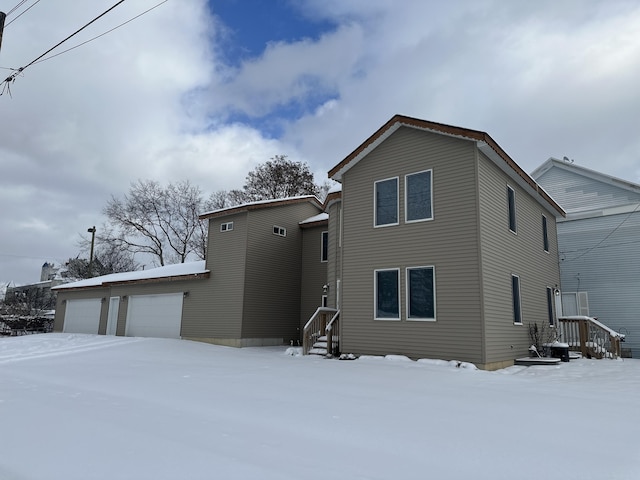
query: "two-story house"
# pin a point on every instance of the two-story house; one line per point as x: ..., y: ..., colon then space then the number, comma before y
x: 436, y: 244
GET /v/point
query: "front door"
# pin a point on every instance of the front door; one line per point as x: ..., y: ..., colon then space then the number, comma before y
x: 112, y: 317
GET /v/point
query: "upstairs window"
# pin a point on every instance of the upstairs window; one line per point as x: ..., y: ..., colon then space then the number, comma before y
x: 545, y: 234
x: 280, y: 231
x: 225, y: 227
x: 418, y: 197
x: 511, y: 200
x: 324, y: 249
x: 386, y: 202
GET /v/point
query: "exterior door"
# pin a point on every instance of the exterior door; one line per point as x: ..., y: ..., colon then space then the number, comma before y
x: 112, y: 317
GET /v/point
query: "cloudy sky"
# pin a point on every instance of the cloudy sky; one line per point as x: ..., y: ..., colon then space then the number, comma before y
x: 205, y: 91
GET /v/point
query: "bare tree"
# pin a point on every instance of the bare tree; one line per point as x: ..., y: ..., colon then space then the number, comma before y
x: 155, y: 220
x: 279, y: 178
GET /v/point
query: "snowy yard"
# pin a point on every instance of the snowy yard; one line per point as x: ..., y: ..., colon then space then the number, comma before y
x: 97, y: 407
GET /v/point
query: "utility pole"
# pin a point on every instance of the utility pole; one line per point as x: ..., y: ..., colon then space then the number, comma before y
x: 2, y: 17
x: 92, y: 231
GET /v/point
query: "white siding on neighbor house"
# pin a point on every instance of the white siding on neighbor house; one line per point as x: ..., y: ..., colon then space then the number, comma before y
x: 576, y: 192
x: 601, y: 256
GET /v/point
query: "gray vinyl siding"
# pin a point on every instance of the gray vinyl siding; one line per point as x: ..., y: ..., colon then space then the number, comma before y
x: 334, y: 262
x: 448, y: 243
x: 504, y: 254
x: 601, y: 255
x: 217, y: 309
x: 314, y: 273
x: 165, y: 286
x: 271, y: 304
x: 64, y: 295
x: 576, y: 192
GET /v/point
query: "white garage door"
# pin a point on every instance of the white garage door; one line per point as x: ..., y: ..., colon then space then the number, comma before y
x: 82, y: 316
x: 154, y: 315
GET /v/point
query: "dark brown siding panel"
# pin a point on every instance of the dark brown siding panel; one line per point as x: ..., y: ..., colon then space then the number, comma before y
x: 505, y: 253
x: 448, y: 243
x: 314, y: 273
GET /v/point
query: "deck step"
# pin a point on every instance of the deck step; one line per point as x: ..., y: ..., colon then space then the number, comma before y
x: 318, y: 351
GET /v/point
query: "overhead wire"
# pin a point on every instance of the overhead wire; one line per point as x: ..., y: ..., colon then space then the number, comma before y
x: 102, y: 34
x: 22, y: 13
x: 16, y: 7
x: 18, y: 71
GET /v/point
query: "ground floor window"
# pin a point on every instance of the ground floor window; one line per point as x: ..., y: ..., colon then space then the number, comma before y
x: 552, y: 322
x: 515, y: 295
x: 387, y: 294
x: 420, y: 293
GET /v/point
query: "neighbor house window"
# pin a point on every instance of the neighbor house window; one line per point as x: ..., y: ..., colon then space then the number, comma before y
x: 545, y: 234
x: 387, y: 294
x: 225, y: 227
x: 511, y: 199
x: 421, y: 297
x: 324, y: 249
x: 418, y: 197
x: 280, y: 231
x: 552, y: 322
x: 386, y: 202
x: 515, y: 295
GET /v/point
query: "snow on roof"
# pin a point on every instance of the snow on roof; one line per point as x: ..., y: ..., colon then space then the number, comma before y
x: 177, y: 270
x: 321, y: 217
x: 336, y: 188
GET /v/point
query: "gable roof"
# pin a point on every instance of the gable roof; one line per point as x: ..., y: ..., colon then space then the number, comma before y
x: 261, y: 204
x: 581, y: 190
x: 485, y: 144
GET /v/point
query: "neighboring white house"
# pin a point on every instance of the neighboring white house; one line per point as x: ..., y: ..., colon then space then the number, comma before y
x: 599, y: 245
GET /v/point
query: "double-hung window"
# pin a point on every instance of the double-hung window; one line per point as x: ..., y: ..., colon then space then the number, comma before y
x: 515, y: 298
x: 418, y: 197
x: 511, y: 203
x: 386, y: 202
x: 387, y: 294
x: 552, y: 321
x: 324, y: 248
x: 421, y: 293
x: 545, y: 234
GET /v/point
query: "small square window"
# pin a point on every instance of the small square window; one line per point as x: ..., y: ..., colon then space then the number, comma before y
x: 280, y: 231
x: 225, y: 227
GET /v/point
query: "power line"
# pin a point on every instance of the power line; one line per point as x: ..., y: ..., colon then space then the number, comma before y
x: 25, y: 11
x: 102, y: 34
x: 16, y: 7
x: 12, y: 77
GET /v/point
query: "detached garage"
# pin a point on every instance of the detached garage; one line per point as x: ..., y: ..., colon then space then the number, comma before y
x: 154, y: 315
x: 82, y: 315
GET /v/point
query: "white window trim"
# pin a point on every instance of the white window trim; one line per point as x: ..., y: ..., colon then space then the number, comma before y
x: 406, y: 279
x: 375, y: 295
x: 375, y: 209
x: 322, y: 236
x: 406, y: 196
x: 545, y: 232
x: 549, y: 294
x: 279, y: 231
x: 226, y: 227
x: 519, y: 299
x: 515, y: 211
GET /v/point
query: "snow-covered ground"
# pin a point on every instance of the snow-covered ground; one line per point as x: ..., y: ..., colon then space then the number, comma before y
x: 97, y: 407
